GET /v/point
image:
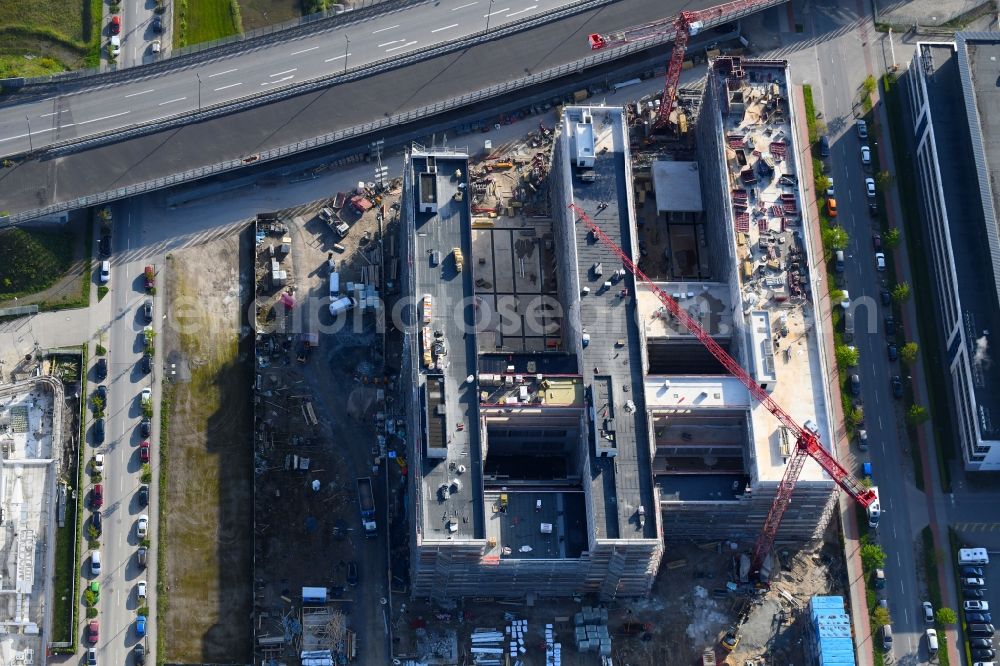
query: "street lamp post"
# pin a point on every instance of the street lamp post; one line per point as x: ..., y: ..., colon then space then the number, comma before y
x: 30, y: 146
x: 199, y: 90
x: 347, y: 47
x: 489, y: 12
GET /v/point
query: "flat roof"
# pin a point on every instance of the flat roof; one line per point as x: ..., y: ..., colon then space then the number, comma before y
x: 619, y: 485
x: 766, y: 215
x: 447, y: 228
x: 707, y: 302
x: 677, y: 186
x: 965, y: 88
x: 701, y: 487
x: 532, y: 525
x: 694, y: 393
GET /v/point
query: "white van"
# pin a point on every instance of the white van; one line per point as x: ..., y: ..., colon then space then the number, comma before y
x: 334, y: 286
x: 886, y: 637
x: 95, y: 563
x: 973, y: 556
x: 342, y: 305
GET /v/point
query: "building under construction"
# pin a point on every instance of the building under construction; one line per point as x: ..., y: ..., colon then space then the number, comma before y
x: 558, y: 403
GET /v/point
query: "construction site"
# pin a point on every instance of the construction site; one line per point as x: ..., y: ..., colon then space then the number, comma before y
x: 620, y: 410
x: 323, y: 426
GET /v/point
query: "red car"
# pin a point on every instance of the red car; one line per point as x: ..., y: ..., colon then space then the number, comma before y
x: 97, y: 496
x: 116, y: 25
x: 150, y: 275
x: 93, y: 631
x: 144, y: 451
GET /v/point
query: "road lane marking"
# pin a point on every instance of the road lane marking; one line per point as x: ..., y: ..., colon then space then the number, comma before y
x: 113, y: 115
x: 267, y: 83
x: 521, y: 11
x: 228, y: 71
x: 311, y: 48
x: 171, y: 101
x: 468, y: 4
x: 401, y: 46
x: 54, y: 113
x: 499, y: 11
x: 395, y: 41
x: 231, y: 85
x: 391, y: 27
x: 447, y: 27
x: 287, y: 71
x: 34, y: 132
x: 340, y: 57
x: 139, y: 93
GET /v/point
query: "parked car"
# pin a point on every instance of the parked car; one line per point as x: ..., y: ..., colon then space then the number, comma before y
x: 147, y: 309
x: 154, y: 46
x: 146, y: 397
x: 145, y: 427
x: 870, y: 187
x: 980, y: 643
x: 973, y: 582
x: 93, y: 631
x: 101, y: 369
x: 149, y: 277
x: 140, y: 592
x: 143, y: 495
x: 885, y: 297
x: 897, y: 387
x: 855, y: 385
x: 893, y: 352
x: 140, y: 556
x: 144, y: 451
x: 866, y: 155
x: 928, y: 612
x: 104, y: 246
x: 140, y: 626
x: 983, y: 654
x: 877, y: 242
x: 824, y: 146
x: 98, y: 431
x: 97, y: 496
x: 976, y: 605
x: 95, y: 563
x: 156, y: 25
x: 114, y: 50
x: 95, y: 520
x: 140, y: 654
x: 831, y: 207
x: 91, y: 656
x: 147, y: 363
x: 880, y: 261
x: 890, y: 325
x: 972, y: 571
x: 142, y: 526
x: 98, y: 463
x: 352, y: 573
x: 862, y: 128
x: 115, y: 27
x: 978, y: 617
x: 879, y: 579
x: 973, y: 592
x: 102, y: 393
x: 863, y: 440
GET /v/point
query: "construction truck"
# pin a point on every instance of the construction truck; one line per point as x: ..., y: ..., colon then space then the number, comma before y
x: 366, y: 502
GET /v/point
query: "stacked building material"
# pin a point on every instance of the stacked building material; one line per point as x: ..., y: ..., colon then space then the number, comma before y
x: 487, y: 647
x: 591, y: 631
x: 553, y: 650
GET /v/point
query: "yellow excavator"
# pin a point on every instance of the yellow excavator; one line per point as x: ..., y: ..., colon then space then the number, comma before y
x: 732, y: 636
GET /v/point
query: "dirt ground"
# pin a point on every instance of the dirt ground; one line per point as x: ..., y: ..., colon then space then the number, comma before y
x: 208, y: 495
x: 307, y: 524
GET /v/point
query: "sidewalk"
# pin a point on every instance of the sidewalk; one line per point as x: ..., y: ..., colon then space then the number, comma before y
x: 841, y: 447
x: 937, y: 515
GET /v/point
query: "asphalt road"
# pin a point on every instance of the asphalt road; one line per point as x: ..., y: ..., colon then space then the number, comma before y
x: 44, y: 181
x: 137, y: 33
x: 842, y: 67
x: 258, y: 70
x: 125, y: 382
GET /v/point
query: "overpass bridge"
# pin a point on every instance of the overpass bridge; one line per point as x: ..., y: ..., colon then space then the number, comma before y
x: 349, y: 107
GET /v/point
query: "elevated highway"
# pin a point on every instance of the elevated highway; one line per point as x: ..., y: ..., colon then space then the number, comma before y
x: 47, y: 182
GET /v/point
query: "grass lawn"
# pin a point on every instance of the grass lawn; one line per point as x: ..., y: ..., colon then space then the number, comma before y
x: 199, y: 21
x: 260, y: 13
x: 32, y: 260
x: 60, y: 35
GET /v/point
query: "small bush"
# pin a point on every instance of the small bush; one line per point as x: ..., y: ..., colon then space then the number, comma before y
x: 91, y: 613
x: 101, y: 350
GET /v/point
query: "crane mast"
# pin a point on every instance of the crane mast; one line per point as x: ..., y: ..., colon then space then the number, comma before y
x: 807, y: 444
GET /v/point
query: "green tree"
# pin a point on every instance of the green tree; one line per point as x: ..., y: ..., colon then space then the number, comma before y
x: 91, y: 613
x: 147, y: 474
x: 881, y: 616
x: 857, y: 416
x: 835, y: 238
x: 917, y: 415
x: 93, y: 533
x: 908, y: 353
x: 98, y: 405
x: 100, y: 349
x: 946, y: 615
x: 883, y: 179
x: 90, y: 597
x: 872, y: 556
x: 901, y: 292
x: 868, y: 85
x: 891, y: 238
x: 847, y: 356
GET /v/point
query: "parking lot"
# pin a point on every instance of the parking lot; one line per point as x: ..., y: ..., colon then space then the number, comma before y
x: 977, y: 623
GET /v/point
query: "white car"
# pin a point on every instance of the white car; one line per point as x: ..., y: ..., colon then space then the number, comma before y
x: 99, y: 463
x: 830, y: 193
x: 928, y: 612
x: 105, y: 272
x: 155, y: 46
x: 866, y: 155
x: 845, y: 301
x: 147, y: 396
x: 880, y: 261
x: 975, y: 605
x: 142, y: 527
x: 115, y: 46
x: 140, y: 591
x: 870, y: 187
x: 862, y: 129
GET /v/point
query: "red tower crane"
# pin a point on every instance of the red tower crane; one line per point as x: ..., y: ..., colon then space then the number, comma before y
x: 683, y: 27
x: 807, y: 444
